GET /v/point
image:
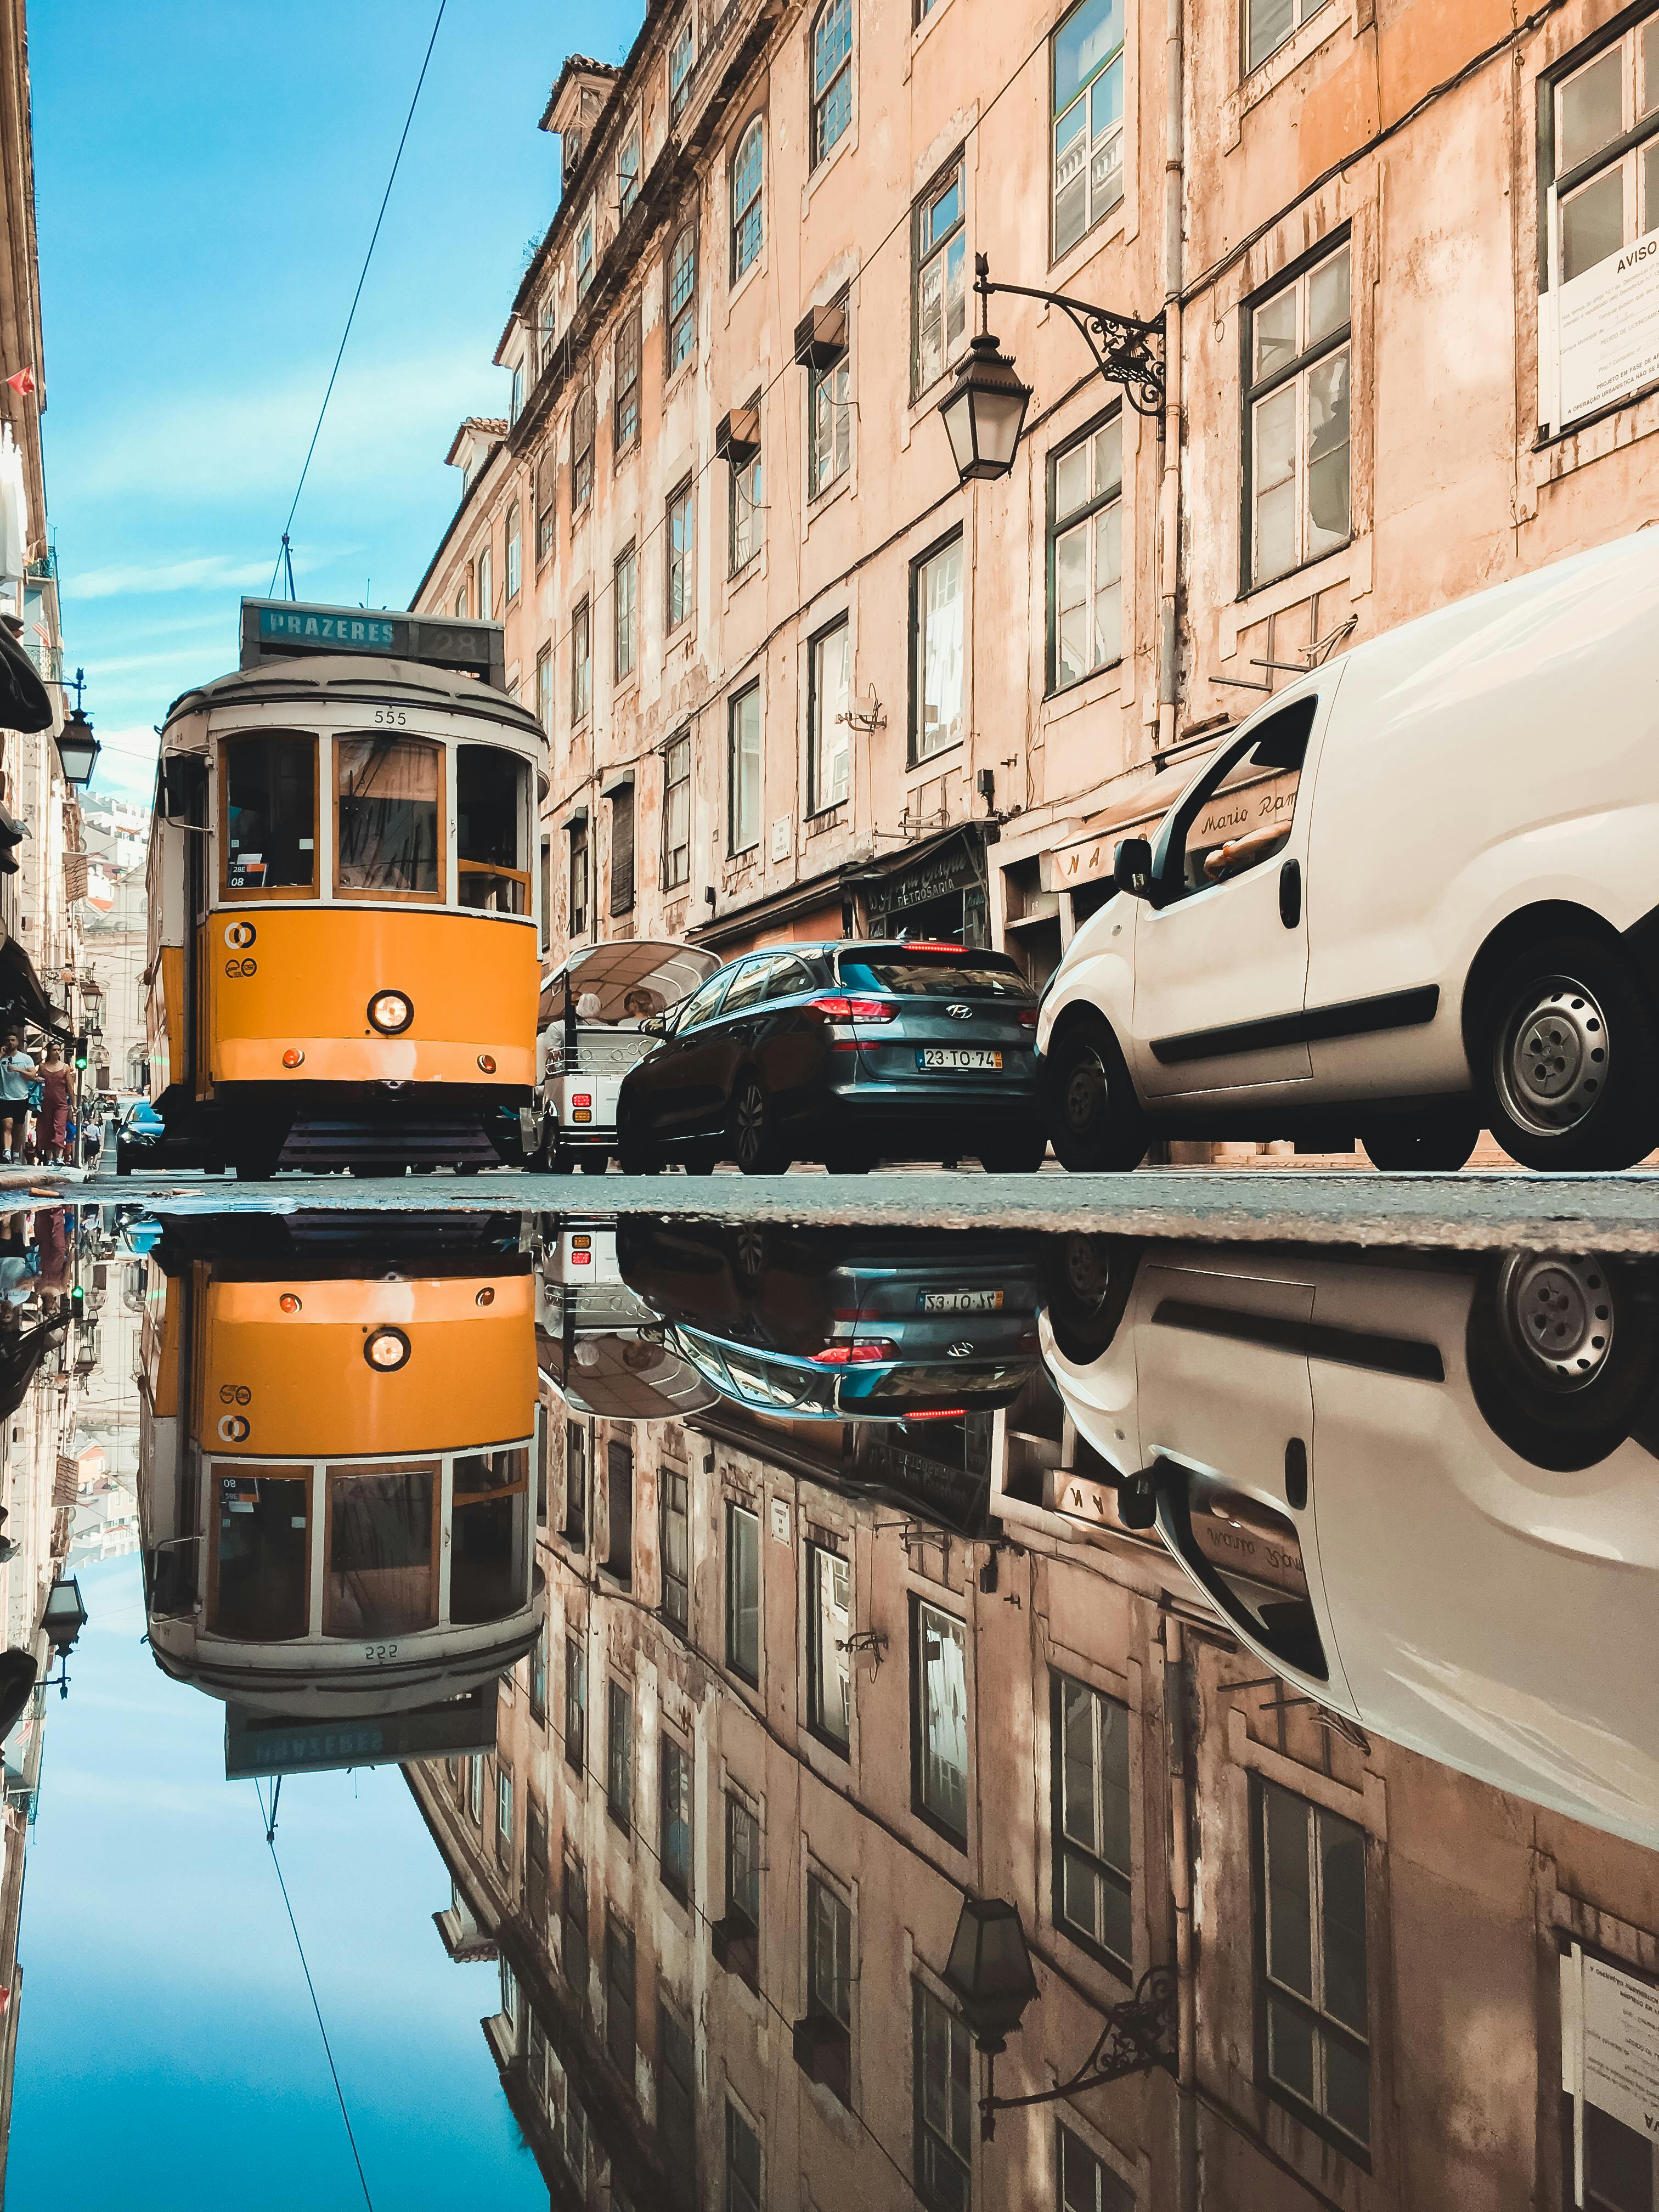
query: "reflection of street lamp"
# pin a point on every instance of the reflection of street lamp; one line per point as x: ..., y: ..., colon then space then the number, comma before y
x: 989, y: 1973
x: 64, y: 1617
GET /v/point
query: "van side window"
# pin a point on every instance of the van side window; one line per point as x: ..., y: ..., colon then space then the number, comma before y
x: 1241, y: 814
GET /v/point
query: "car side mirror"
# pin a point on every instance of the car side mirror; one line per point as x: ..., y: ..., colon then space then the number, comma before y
x: 1132, y: 869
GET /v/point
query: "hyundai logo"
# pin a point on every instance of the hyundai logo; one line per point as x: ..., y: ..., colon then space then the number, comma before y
x: 960, y: 1351
x: 960, y: 1013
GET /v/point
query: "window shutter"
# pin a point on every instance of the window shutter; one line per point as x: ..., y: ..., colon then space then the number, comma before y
x: 622, y: 850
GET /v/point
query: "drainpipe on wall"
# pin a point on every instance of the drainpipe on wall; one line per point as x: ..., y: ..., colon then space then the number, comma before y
x: 1180, y: 1898
x: 1169, y: 513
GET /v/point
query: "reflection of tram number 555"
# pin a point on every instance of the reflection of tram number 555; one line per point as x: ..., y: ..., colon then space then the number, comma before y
x: 379, y: 1651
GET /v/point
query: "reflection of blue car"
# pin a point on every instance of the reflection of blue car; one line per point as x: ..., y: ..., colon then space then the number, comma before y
x: 875, y: 1384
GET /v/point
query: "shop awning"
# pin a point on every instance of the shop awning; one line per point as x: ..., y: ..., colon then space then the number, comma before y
x: 1089, y: 859
x: 21, y: 995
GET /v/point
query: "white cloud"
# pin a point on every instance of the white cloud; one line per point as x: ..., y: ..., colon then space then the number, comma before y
x: 209, y: 572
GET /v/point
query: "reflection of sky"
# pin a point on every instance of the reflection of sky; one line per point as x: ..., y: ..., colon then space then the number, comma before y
x: 168, y: 2052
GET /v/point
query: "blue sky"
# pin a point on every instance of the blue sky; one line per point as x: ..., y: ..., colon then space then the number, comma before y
x: 166, y: 2046
x: 207, y: 175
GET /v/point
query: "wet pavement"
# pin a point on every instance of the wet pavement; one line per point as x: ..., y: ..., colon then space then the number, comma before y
x: 846, y: 1691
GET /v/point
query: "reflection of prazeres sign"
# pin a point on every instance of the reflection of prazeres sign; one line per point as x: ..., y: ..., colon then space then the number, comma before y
x: 1599, y: 335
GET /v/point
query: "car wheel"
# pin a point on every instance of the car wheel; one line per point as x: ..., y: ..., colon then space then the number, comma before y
x: 1021, y: 1152
x: 1438, y: 1140
x: 1572, y: 1056
x: 749, y: 1257
x: 1563, y: 1354
x: 750, y: 1130
x: 1087, y: 1282
x: 1094, y: 1118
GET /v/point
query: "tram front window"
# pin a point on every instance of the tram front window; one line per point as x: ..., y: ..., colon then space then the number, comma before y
x: 485, y: 1558
x: 270, y: 814
x: 388, y: 825
x: 258, y: 1578
x: 489, y: 818
x: 381, y: 1574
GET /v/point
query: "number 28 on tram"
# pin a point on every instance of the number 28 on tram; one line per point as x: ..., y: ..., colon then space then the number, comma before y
x: 343, y: 917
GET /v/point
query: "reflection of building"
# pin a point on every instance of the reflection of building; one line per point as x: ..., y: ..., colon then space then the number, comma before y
x: 777, y: 1726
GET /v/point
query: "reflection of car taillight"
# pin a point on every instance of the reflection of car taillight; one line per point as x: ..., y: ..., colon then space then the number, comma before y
x: 872, y: 1348
x: 581, y: 1259
x: 936, y: 1414
x: 857, y: 1010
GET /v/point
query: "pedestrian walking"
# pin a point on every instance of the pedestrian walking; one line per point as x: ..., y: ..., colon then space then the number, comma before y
x: 54, y: 1127
x: 16, y: 1074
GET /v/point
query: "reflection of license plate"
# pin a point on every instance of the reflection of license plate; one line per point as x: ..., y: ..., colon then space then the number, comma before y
x: 949, y: 1302
x: 950, y: 1055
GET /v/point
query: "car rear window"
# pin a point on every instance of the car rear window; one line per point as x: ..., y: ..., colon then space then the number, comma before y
x: 924, y: 975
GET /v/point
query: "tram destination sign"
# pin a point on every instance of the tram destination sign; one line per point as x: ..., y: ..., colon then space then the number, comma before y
x: 286, y: 629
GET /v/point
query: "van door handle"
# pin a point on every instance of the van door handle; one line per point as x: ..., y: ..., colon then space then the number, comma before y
x: 1290, y: 894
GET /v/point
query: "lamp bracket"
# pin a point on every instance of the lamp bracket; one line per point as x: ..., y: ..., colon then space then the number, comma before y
x: 1126, y: 350
x: 1137, y: 2037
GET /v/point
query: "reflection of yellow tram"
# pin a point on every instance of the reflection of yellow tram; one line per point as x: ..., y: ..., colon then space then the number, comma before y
x: 342, y: 957
x: 339, y: 1459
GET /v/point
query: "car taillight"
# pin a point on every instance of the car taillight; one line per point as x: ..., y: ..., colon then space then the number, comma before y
x: 1028, y: 1017
x: 857, y: 1010
x: 934, y: 945
x: 871, y: 1349
x: 581, y: 1098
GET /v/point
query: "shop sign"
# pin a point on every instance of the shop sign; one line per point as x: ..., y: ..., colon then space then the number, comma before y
x: 1088, y: 863
x: 1600, y: 333
x: 1266, y: 803
x: 929, y: 879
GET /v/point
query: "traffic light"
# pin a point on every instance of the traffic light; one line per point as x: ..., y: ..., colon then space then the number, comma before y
x: 80, y: 1050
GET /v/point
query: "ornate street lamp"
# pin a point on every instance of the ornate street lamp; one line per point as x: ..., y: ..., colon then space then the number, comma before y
x: 78, y: 749
x: 989, y: 1973
x: 64, y: 1617
x: 984, y: 411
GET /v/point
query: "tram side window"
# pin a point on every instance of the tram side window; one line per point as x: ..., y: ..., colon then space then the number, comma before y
x: 490, y: 789
x: 486, y: 1559
x: 382, y: 1569
x: 389, y: 828
x: 260, y: 1582
x: 270, y: 814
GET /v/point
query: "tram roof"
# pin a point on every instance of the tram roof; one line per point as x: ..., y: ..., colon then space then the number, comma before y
x: 348, y: 678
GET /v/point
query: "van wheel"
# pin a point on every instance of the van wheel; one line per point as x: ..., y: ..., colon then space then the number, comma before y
x: 1437, y: 1142
x: 1094, y: 1117
x: 1562, y: 1355
x: 1086, y: 1284
x: 1572, y: 1056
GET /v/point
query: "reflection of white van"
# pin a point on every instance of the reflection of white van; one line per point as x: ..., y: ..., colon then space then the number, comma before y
x: 1425, y: 1494
x: 1414, y: 893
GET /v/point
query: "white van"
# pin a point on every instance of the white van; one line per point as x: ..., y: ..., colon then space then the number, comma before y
x: 1421, y: 1491
x: 1414, y: 894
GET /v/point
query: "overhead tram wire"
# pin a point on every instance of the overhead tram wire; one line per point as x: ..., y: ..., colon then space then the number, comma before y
x: 284, y: 557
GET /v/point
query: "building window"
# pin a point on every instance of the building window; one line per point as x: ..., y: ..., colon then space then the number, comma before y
x: 936, y: 650
x: 547, y: 479
x: 682, y: 588
x: 676, y: 1536
x: 510, y: 1998
x: 682, y: 317
x: 743, y: 771
x: 619, y: 1755
x: 832, y: 76
x: 829, y: 733
x: 1295, y: 417
x: 1269, y: 23
x: 748, y: 529
x: 581, y: 662
x: 619, y: 1500
x: 677, y: 812
x: 681, y: 55
x: 830, y: 1986
x: 829, y: 422
x: 515, y: 399
x: 1090, y: 1756
x: 829, y: 1677
x: 514, y: 552
x: 748, y: 219
x: 504, y: 1815
x: 547, y: 327
x: 743, y: 1865
x: 579, y: 879
x: 576, y: 1705
x: 582, y: 449
x: 627, y: 174
x: 460, y: 604
x: 624, y: 601
x: 538, y: 1675
x: 574, y: 1531
x: 573, y: 1914
x: 544, y: 689
x: 675, y: 1842
x: 677, y: 2105
x: 625, y: 408
x: 1086, y: 2183
x: 938, y: 1720
x: 1313, y: 2033
x: 743, y: 2164
x: 743, y: 1592
x: 486, y: 587
x: 1087, y: 66
x: 1085, y: 554
x: 939, y: 259
x: 619, y: 1984
x: 535, y: 1868
x: 585, y: 258
x: 944, y: 2104
x: 622, y: 849
x: 475, y: 1788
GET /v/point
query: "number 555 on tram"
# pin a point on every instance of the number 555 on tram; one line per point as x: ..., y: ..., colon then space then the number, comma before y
x: 343, y: 916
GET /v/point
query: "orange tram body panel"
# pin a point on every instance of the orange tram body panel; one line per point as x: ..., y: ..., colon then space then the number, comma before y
x: 344, y: 911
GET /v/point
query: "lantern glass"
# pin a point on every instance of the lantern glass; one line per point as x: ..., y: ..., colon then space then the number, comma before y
x: 984, y: 412
x: 65, y: 1615
x: 989, y: 1970
x: 78, y: 751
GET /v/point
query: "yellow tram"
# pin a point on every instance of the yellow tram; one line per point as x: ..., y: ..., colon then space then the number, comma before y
x: 344, y: 916
x: 341, y: 1449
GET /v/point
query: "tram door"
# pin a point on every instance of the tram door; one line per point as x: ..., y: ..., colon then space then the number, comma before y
x: 184, y: 790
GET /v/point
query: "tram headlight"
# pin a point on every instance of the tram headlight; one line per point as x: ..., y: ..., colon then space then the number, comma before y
x: 387, y: 1350
x: 391, y: 1012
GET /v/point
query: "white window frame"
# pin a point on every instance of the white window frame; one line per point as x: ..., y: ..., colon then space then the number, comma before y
x: 1311, y: 358
x: 947, y: 251
x: 1088, y: 156
x: 1297, y: 12
x: 1101, y: 498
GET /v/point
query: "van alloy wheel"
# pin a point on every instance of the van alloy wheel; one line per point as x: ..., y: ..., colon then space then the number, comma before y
x: 1570, y: 1058
x: 1554, y: 1056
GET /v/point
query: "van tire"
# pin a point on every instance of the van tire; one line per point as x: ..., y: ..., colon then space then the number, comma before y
x: 1095, y: 1121
x: 1437, y: 1142
x: 1569, y: 1058
x: 1565, y: 1422
x: 1087, y: 1281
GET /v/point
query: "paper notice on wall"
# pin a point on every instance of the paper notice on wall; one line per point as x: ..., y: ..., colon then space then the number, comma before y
x: 1606, y: 331
x: 1621, y: 2034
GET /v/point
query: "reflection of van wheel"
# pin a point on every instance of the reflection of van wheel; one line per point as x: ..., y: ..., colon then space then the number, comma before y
x: 1094, y: 1117
x: 1088, y: 1282
x: 1563, y: 1354
x: 1572, y: 1056
x: 1438, y: 1140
